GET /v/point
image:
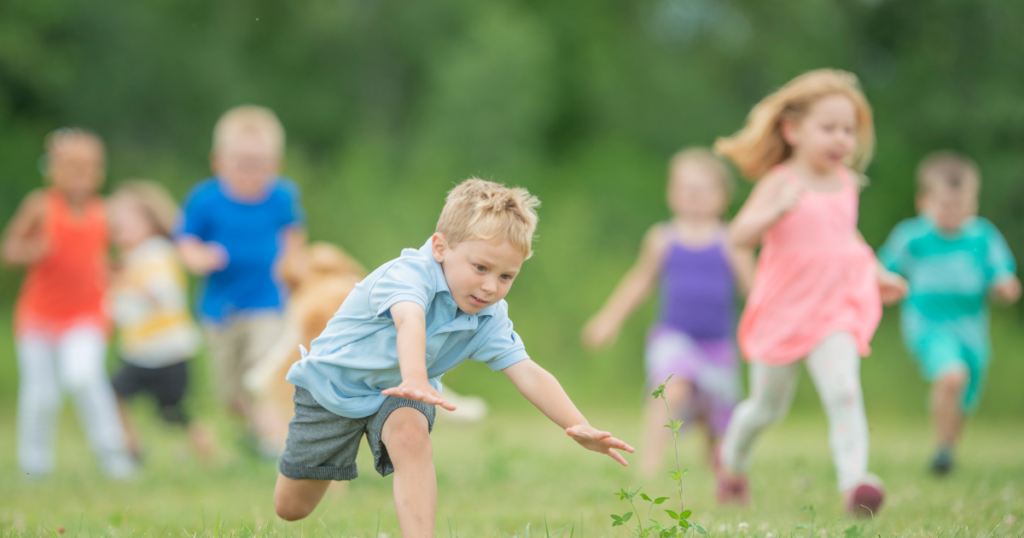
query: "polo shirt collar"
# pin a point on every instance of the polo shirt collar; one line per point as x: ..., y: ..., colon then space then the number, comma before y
x: 441, y: 285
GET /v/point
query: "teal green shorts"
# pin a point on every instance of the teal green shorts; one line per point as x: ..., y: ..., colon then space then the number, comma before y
x: 939, y: 354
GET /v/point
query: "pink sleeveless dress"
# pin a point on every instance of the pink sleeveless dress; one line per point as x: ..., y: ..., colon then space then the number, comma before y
x: 815, y: 277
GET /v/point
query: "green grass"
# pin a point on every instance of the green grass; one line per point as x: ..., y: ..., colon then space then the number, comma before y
x: 516, y: 470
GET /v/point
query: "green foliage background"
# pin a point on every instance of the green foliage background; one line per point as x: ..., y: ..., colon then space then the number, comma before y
x: 388, y: 103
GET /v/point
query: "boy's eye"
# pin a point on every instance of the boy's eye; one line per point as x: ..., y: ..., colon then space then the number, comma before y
x: 480, y: 268
x: 506, y: 277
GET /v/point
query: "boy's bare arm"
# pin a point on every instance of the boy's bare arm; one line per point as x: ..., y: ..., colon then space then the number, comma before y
x: 545, y: 392
x: 23, y: 244
x: 1007, y: 290
x: 411, y: 325
x: 199, y: 257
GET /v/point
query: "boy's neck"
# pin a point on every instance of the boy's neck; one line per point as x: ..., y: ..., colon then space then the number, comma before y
x: 255, y: 195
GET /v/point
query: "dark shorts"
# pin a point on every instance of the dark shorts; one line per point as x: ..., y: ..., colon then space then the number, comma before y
x: 166, y: 384
x: 323, y: 446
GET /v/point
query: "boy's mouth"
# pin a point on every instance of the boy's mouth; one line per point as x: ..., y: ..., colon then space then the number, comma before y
x: 477, y: 301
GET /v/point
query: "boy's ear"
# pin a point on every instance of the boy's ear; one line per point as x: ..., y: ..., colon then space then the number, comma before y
x: 440, y: 246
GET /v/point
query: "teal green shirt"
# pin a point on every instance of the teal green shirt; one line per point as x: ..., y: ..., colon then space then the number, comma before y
x: 950, y: 276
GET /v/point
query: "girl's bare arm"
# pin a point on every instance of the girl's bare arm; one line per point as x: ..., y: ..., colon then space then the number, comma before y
x: 632, y: 290
x: 23, y: 243
x: 742, y: 262
x: 772, y: 197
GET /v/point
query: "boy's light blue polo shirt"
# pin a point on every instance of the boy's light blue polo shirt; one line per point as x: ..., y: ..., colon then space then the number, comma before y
x: 356, y: 357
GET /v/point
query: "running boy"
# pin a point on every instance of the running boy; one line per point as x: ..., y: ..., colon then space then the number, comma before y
x: 234, y: 229
x: 952, y: 259
x: 376, y: 368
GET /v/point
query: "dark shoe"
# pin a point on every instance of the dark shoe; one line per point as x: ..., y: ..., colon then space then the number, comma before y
x: 943, y: 462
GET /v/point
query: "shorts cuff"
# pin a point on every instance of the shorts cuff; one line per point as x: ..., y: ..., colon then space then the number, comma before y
x: 301, y: 472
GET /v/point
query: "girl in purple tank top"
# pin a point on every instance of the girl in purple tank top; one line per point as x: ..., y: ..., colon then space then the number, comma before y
x: 700, y: 275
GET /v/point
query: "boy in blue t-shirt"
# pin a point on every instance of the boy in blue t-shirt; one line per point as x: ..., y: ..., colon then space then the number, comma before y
x: 376, y: 368
x: 235, y: 228
x: 953, y: 260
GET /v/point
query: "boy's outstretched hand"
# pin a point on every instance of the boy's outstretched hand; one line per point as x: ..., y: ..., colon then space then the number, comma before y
x: 599, y: 441
x: 421, y: 391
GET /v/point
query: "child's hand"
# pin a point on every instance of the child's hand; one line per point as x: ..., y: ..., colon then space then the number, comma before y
x: 788, y: 197
x: 1007, y: 291
x: 599, y: 441
x: 892, y: 287
x: 599, y: 332
x: 203, y: 258
x: 421, y: 391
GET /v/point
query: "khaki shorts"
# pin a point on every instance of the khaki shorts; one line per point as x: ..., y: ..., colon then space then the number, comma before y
x: 236, y: 345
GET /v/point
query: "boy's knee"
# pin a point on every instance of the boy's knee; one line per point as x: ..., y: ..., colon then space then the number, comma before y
x: 291, y: 509
x: 953, y: 382
x: 408, y: 436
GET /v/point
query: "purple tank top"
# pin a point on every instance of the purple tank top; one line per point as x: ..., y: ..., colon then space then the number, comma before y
x: 697, y: 295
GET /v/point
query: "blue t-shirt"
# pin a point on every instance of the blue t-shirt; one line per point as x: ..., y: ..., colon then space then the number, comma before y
x: 356, y: 357
x: 252, y: 235
x: 950, y: 276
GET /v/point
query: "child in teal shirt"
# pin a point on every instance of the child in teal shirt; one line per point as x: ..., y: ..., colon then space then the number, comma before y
x: 953, y: 261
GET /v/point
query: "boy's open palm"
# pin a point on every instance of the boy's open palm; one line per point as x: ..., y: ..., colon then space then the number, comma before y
x: 421, y: 391
x: 599, y: 441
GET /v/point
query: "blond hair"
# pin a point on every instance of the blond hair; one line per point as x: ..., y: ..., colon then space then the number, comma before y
x: 59, y: 137
x: 247, y: 120
x: 489, y: 211
x: 948, y: 169
x: 707, y: 159
x: 759, y: 145
x: 156, y: 203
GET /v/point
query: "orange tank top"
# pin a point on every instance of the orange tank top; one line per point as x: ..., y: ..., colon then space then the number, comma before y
x: 66, y: 287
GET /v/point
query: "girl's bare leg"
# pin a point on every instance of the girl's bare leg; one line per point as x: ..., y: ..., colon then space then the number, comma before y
x: 656, y: 435
x: 296, y: 499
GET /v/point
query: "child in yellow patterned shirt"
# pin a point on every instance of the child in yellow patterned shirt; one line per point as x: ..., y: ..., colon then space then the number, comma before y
x: 156, y: 333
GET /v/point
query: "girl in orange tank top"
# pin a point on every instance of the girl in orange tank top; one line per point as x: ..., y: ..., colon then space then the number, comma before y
x: 60, y: 235
x: 66, y: 286
x: 818, y: 290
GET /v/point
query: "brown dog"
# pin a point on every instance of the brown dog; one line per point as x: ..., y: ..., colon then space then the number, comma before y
x: 319, y: 283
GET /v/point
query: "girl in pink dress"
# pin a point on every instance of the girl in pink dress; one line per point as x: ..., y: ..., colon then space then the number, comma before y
x: 818, y: 290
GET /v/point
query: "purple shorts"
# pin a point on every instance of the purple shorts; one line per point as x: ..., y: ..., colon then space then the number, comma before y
x: 710, y: 366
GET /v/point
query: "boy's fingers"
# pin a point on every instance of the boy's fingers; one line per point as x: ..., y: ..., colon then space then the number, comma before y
x: 618, y: 457
x: 619, y: 444
x: 445, y: 404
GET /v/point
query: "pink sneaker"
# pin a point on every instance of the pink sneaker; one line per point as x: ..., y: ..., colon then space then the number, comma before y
x: 865, y: 499
x: 732, y: 489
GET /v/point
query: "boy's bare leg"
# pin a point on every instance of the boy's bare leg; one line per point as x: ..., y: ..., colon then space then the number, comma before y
x: 406, y: 435
x: 131, y: 437
x: 677, y: 393
x: 202, y: 440
x: 949, y: 419
x: 296, y: 499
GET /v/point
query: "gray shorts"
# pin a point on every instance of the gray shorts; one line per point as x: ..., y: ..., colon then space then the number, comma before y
x: 323, y: 446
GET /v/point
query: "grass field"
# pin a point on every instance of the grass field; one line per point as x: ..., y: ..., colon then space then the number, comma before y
x: 512, y: 471
x: 516, y: 469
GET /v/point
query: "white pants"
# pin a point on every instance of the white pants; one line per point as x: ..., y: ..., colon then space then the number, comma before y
x: 72, y: 361
x: 835, y: 368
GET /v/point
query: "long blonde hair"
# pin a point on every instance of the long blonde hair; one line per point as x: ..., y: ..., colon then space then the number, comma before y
x: 759, y: 145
